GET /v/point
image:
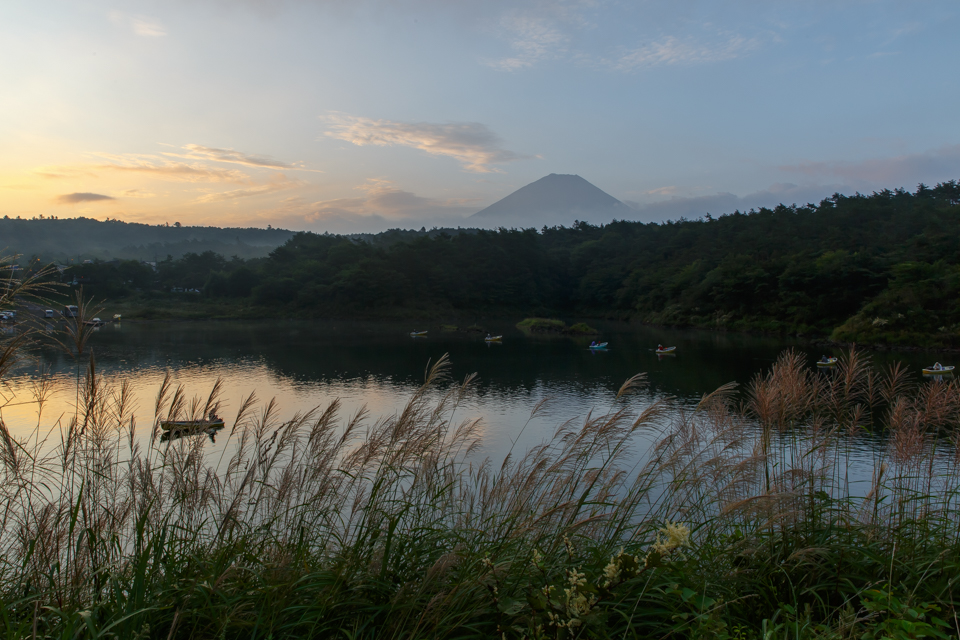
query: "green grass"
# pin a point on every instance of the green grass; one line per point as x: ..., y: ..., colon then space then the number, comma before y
x: 181, y: 307
x: 734, y: 519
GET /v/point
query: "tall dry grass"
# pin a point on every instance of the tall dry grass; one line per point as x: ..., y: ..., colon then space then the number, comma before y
x: 736, y: 519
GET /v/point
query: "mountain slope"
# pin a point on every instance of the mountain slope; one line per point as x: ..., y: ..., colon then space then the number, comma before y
x: 552, y: 200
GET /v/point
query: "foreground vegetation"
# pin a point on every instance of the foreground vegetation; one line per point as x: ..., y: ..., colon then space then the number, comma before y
x: 739, y: 519
x: 880, y: 269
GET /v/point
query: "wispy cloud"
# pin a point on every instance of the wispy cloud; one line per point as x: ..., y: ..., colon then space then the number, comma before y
x: 154, y: 166
x: 565, y: 30
x: 472, y: 144
x: 138, y: 193
x: 76, y: 198
x: 532, y: 38
x: 686, y: 51
x: 663, y: 191
x: 279, y: 182
x: 379, y: 205
x: 141, y: 25
x: 932, y: 165
x: 232, y: 156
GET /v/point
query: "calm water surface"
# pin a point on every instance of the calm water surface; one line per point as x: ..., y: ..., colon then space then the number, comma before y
x: 378, y: 365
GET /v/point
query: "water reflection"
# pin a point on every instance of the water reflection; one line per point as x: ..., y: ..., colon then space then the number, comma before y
x: 378, y: 366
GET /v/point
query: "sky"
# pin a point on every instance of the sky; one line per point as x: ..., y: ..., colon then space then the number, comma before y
x: 362, y: 115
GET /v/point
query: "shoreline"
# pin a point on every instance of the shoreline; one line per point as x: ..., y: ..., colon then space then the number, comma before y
x: 155, y: 310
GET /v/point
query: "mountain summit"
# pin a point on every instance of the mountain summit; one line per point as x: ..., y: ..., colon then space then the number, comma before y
x: 552, y: 200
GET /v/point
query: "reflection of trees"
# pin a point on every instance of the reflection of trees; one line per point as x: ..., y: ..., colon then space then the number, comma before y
x: 344, y: 351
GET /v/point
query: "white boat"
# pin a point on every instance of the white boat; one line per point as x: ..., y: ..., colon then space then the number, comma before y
x: 493, y: 339
x: 418, y: 334
x: 938, y: 370
x: 829, y: 362
x: 598, y: 345
x: 665, y: 350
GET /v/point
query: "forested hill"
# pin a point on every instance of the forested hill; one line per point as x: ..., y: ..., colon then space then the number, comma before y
x: 63, y: 239
x: 873, y: 268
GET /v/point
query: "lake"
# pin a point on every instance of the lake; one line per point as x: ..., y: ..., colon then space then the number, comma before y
x: 378, y: 365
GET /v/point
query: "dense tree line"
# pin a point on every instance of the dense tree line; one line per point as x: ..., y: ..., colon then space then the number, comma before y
x: 879, y: 268
x: 72, y: 240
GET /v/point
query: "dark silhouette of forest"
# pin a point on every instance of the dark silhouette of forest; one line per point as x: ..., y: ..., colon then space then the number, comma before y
x: 878, y: 269
x: 76, y: 239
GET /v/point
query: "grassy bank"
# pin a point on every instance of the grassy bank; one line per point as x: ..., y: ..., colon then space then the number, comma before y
x: 181, y: 307
x: 739, y: 521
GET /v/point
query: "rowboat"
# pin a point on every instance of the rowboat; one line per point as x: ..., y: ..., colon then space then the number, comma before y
x: 418, y: 334
x: 666, y: 349
x: 931, y: 371
x: 493, y: 339
x: 600, y: 345
x: 191, y: 425
x: 176, y: 434
x: 829, y: 362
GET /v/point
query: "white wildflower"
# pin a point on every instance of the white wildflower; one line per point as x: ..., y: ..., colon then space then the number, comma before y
x: 611, y: 572
x: 537, y: 558
x: 576, y: 579
x: 670, y: 537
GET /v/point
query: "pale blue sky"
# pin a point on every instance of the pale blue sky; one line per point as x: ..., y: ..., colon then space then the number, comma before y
x: 358, y: 116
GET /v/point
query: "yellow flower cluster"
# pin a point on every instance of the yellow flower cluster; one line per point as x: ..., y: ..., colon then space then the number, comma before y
x: 578, y: 604
x: 672, y: 536
x: 612, y: 572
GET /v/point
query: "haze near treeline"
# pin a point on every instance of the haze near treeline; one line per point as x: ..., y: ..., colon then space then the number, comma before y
x: 357, y: 117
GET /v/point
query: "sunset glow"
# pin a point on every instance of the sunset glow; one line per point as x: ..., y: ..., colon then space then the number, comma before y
x: 345, y: 117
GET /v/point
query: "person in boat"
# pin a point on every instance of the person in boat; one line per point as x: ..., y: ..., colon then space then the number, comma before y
x: 937, y: 366
x: 593, y: 343
x: 824, y: 359
x: 659, y: 347
x: 213, y: 417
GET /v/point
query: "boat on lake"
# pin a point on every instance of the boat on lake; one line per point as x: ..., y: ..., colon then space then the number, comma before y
x: 826, y: 362
x: 418, y: 334
x: 490, y: 338
x: 661, y: 350
x: 176, y: 434
x: 96, y: 322
x: 598, y: 345
x: 192, y: 425
x: 938, y: 370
